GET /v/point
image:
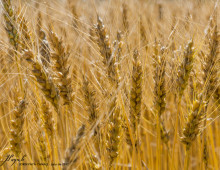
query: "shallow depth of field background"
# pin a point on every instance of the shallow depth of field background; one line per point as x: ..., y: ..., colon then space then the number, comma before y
x: 109, y: 109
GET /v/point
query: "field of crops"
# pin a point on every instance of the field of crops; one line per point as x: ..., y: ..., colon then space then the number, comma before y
x: 109, y: 85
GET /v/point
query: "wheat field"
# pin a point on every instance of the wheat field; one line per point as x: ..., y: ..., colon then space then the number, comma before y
x: 109, y: 84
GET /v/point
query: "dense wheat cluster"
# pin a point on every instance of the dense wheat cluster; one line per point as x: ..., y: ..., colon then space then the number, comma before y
x: 109, y: 84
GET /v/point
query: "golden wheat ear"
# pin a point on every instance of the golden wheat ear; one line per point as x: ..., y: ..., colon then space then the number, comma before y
x: 160, y: 90
x: 211, y: 63
x: 136, y: 91
x: 71, y: 155
x: 48, y: 121
x: 25, y: 35
x: 185, y: 68
x: 17, y: 130
x: 60, y: 55
x: 11, y: 24
x: 90, y: 101
x: 48, y: 87
x: 217, y: 95
x: 44, y: 48
x: 210, y: 79
x: 125, y: 18
x: 192, y: 128
x: 42, y: 146
x: 114, y: 133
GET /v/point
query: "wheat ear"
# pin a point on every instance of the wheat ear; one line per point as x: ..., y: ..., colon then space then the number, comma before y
x: 42, y: 146
x: 11, y: 24
x: 106, y: 49
x: 17, y: 128
x: 192, y: 127
x: 47, y: 86
x: 44, y: 48
x: 90, y: 101
x: 114, y: 132
x: 71, y: 155
x: 48, y: 121
x: 210, y: 78
x: 136, y: 92
x: 60, y: 56
x: 185, y: 68
x: 160, y: 90
x: 125, y: 18
x: 26, y: 41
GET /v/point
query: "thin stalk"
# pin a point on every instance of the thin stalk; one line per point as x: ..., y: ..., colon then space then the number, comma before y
x: 186, y: 161
x: 175, y: 157
x: 158, y: 156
